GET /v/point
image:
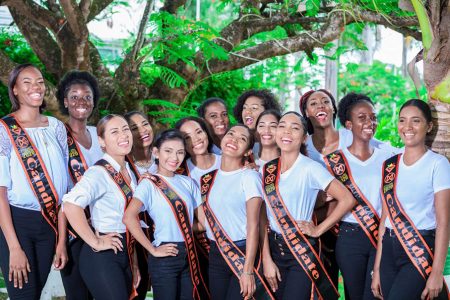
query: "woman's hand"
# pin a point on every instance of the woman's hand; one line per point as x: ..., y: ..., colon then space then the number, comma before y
x: 164, y: 250
x: 18, y: 267
x: 248, y: 285
x: 60, y: 260
x: 108, y: 241
x: 308, y: 228
x: 272, y: 274
x: 434, y: 286
x: 376, y: 285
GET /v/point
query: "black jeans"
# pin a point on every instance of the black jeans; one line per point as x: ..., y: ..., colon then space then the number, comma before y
x: 295, y: 283
x: 37, y: 239
x: 355, y: 256
x: 106, y: 274
x: 399, y: 278
x: 171, y: 276
x: 223, y: 284
x: 74, y: 285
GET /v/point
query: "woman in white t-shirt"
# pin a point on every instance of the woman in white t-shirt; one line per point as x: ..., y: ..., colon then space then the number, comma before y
x: 356, y: 243
x: 422, y: 188
x: 106, y: 189
x: 168, y: 261
x: 234, y: 199
x: 266, y: 126
x: 78, y: 94
x: 299, y: 181
x: 27, y: 239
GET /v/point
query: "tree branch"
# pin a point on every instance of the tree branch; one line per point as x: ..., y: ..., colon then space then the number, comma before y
x: 7, y: 66
x: 30, y: 10
x: 85, y: 7
x: 97, y: 7
x: 140, y: 35
x: 74, y: 17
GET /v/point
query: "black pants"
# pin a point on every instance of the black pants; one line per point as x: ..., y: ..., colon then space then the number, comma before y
x: 171, y: 276
x: 355, y: 256
x: 142, y: 257
x: 223, y: 284
x: 73, y: 283
x: 295, y: 283
x: 399, y: 278
x: 106, y: 274
x: 37, y: 239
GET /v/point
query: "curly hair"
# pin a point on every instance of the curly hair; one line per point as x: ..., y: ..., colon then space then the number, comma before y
x: 347, y: 103
x: 76, y: 77
x: 268, y: 99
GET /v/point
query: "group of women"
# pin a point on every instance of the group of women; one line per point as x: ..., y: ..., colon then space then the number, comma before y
x: 270, y: 208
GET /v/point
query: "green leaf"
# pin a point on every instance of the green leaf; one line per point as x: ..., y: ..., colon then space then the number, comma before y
x: 160, y: 102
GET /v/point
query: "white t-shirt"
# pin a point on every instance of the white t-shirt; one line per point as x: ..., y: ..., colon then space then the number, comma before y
x: 51, y: 142
x: 298, y: 187
x: 106, y: 202
x: 166, y: 226
x: 345, y: 140
x: 196, y: 173
x: 216, y: 150
x: 228, y: 197
x: 416, y: 186
x: 367, y: 176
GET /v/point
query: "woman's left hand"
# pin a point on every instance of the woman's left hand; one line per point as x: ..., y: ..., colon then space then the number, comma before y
x: 433, y: 287
x: 308, y: 228
x: 60, y: 260
x: 136, y: 275
x: 248, y: 285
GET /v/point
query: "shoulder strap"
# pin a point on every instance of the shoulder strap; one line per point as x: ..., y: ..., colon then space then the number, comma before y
x: 34, y: 169
x: 181, y: 214
x: 77, y: 162
x: 363, y: 212
x: 298, y: 244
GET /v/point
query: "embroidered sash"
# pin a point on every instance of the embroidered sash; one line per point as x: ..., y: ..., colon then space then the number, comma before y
x: 363, y: 212
x: 181, y: 214
x: 298, y: 244
x: 77, y: 162
x: 231, y: 253
x: 409, y: 236
x: 127, y: 193
x: 35, y: 170
x: 183, y: 169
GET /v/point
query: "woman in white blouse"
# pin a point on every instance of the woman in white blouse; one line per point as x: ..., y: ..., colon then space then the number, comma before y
x: 27, y: 240
x: 106, y: 188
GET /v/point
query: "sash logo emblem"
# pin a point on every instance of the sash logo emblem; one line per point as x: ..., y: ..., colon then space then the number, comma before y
x: 339, y: 169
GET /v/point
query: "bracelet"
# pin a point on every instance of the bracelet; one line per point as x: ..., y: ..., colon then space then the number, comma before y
x: 247, y: 273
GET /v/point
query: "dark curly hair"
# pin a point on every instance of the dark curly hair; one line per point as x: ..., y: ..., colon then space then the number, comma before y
x: 201, y: 110
x: 76, y: 77
x: 347, y: 103
x: 268, y: 99
x: 304, y: 100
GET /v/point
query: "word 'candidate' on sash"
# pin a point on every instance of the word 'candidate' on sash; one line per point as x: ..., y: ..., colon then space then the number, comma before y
x: 298, y: 244
x: 231, y: 253
x: 181, y: 214
x: 127, y: 193
x: 406, y: 232
x: 363, y: 212
x: 34, y: 169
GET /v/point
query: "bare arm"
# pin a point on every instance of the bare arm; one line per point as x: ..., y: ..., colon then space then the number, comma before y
x: 376, y: 284
x: 435, y: 281
x: 199, y: 221
x: 61, y: 258
x: 131, y: 220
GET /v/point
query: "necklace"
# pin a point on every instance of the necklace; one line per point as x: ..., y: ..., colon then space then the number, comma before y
x: 143, y: 164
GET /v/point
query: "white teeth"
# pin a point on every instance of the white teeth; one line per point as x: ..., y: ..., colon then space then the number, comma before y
x: 231, y: 146
x: 266, y: 136
x: 286, y: 140
x: 220, y: 126
x: 409, y: 134
x: 124, y: 143
x: 145, y: 137
x: 321, y: 114
x: 81, y: 109
x: 199, y: 145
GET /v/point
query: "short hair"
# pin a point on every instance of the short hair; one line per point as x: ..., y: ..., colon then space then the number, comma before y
x: 201, y: 110
x: 268, y: 99
x: 76, y: 77
x: 421, y: 105
x: 12, y: 80
x: 304, y: 100
x: 347, y: 103
x: 200, y: 122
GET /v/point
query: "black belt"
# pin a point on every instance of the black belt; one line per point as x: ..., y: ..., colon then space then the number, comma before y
x: 430, y: 232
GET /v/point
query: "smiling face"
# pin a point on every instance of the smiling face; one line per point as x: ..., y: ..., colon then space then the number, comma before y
x: 170, y: 155
x: 142, y: 131
x: 251, y: 110
x: 319, y: 109
x: 413, y: 127
x: 79, y: 101
x: 236, y: 142
x: 217, y: 117
x: 266, y: 128
x: 195, y: 137
x: 290, y: 133
x: 30, y: 88
x: 363, y: 121
x: 117, y: 140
